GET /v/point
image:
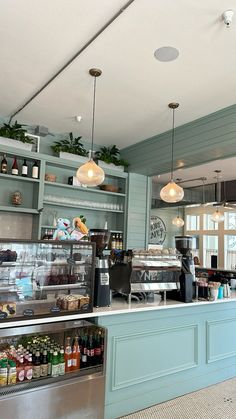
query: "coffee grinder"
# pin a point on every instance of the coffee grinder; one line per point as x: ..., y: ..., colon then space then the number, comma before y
x: 184, y: 245
x: 102, y: 297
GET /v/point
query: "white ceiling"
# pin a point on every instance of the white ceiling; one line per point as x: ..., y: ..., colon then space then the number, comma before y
x: 227, y: 167
x: 39, y: 36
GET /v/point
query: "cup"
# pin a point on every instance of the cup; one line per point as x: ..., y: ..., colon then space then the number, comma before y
x: 214, y: 293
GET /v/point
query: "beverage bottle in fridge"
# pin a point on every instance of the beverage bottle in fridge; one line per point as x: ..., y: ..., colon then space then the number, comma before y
x: 76, y: 354
x: 55, y: 364
x: 3, y: 372
x: 98, y: 350
x: 62, y: 365
x: 83, y: 362
x: 90, y: 352
x: 37, y: 365
x: 29, y: 368
x: 68, y: 355
x: 11, y: 379
x: 44, y: 364
x: 50, y: 355
x: 20, y: 370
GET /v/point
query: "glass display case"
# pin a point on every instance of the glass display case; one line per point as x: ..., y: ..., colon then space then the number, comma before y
x: 43, y: 278
x: 51, y: 368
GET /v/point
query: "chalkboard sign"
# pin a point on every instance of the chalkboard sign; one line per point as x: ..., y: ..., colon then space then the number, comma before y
x: 3, y: 315
x: 55, y: 309
x: 28, y: 312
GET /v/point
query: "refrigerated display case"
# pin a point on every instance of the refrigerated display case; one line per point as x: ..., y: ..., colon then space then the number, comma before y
x: 43, y: 278
x: 67, y: 386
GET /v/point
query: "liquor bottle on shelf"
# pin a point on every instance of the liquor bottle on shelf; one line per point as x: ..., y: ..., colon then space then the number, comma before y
x: 68, y: 355
x: 113, y: 241
x: 4, y: 164
x: 120, y: 242
x: 24, y: 169
x: 117, y: 241
x: 14, y: 169
x: 35, y: 170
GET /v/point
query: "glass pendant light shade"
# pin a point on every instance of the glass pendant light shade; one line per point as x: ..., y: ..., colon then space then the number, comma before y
x: 178, y: 222
x: 217, y: 216
x: 172, y: 192
x: 90, y: 174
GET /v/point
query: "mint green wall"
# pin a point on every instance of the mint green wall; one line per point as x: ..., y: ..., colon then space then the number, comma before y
x: 205, y: 139
x: 158, y: 355
x: 139, y: 199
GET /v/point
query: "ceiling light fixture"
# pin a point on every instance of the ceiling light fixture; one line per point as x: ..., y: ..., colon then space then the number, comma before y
x: 178, y: 221
x: 90, y: 174
x: 217, y: 216
x: 172, y: 192
x: 166, y: 54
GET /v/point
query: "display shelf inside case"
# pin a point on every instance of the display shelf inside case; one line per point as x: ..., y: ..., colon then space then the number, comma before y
x: 39, y: 278
x: 42, y: 355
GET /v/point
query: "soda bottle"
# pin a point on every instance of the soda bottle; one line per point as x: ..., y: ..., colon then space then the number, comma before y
x: 44, y: 364
x: 11, y: 379
x: 62, y: 365
x: 90, y: 352
x: 84, y: 353
x: 76, y: 354
x: 55, y: 364
x: 37, y: 366
x: 68, y: 355
x: 29, y: 368
x: 20, y: 370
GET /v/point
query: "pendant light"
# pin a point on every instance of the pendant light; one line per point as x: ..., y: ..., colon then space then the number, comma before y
x: 217, y: 216
x: 90, y: 174
x: 178, y: 221
x: 172, y: 192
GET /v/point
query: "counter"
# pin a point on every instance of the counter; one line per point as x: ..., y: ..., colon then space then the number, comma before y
x: 161, y: 350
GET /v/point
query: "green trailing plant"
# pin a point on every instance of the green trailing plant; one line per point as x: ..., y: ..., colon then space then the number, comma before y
x: 70, y: 145
x: 15, y: 132
x: 111, y: 155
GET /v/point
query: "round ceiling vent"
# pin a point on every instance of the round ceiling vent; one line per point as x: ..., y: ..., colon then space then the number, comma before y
x: 166, y: 54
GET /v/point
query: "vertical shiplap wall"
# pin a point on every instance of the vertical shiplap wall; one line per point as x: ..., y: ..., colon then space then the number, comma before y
x: 139, y: 199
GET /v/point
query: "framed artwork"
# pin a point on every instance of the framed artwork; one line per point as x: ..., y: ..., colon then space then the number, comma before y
x: 35, y: 141
x: 157, y: 230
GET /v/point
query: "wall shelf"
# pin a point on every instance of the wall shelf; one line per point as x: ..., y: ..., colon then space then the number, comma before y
x: 80, y: 188
x: 59, y: 204
x: 18, y: 209
x: 19, y: 178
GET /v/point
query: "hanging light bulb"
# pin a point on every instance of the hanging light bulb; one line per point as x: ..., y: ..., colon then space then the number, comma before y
x: 178, y: 221
x: 172, y: 192
x: 90, y: 174
x: 217, y: 216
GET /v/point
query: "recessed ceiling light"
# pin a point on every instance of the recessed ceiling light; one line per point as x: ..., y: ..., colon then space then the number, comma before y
x: 166, y: 54
x: 78, y: 118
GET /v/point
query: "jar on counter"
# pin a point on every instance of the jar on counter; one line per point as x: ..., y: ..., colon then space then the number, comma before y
x: 16, y: 198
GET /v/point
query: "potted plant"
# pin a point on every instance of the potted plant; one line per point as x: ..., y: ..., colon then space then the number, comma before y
x: 110, y: 157
x: 70, y: 148
x: 14, y: 135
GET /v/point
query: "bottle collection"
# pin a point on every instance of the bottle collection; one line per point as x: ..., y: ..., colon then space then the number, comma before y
x: 43, y: 356
x: 24, y: 171
x: 116, y: 241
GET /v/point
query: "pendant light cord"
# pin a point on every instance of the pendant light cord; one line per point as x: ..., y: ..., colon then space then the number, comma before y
x: 94, y: 105
x: 172, y: 145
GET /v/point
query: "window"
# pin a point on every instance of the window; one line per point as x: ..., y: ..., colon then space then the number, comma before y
x: 210, y: 247
x: 192, y: 222
x: 230, y: 252
x: 230, y: 220
x: 208, y: 224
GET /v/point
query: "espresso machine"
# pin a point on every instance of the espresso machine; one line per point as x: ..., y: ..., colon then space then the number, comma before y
x: 184, y: 245
x: 102, y: 296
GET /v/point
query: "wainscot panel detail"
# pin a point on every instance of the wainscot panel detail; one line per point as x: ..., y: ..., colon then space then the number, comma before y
x: 148, y: 355
x: 221, y: 339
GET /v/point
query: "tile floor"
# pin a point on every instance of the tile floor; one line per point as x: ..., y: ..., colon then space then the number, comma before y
x: 215, y: 402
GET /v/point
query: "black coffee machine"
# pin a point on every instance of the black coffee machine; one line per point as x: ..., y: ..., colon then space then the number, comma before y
x: 184, y: 245
x: 102, y: 296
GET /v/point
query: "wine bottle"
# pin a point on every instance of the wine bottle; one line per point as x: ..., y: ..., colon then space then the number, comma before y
x: 4, y: 164
x: 14, y: 169
x: 24, y: 169
x: 35, y: 170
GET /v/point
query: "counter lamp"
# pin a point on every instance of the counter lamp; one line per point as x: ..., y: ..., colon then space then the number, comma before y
x: 90, y: 174
x: 172, y: 192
